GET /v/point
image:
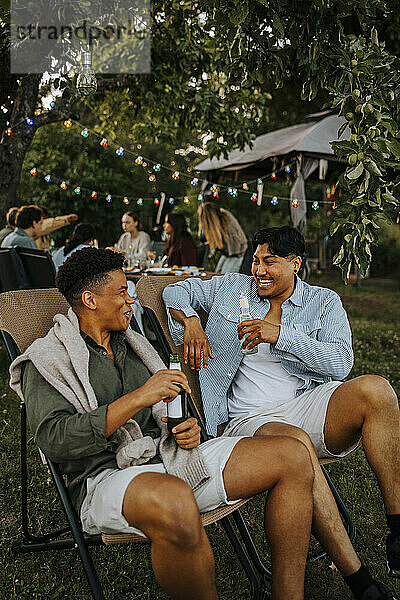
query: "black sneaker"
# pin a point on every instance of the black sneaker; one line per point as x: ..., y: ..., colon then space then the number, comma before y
x: 378, y: 591
x: 393, y: 555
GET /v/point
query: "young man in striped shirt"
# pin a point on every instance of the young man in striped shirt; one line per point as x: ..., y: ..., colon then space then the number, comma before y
x: 294, y: 384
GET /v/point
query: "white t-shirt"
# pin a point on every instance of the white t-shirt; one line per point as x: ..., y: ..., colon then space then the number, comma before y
x: 140, y: 245
x: 260, y: 381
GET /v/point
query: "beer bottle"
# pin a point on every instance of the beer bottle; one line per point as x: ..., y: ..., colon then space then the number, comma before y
x: 176, y: 409
x: 245, y: 316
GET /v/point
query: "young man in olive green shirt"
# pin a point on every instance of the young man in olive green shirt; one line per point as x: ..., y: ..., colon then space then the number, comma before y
x: 95, y: 394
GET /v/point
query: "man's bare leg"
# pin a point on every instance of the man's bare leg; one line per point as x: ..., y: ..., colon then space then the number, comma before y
x: 368, y: 405
x: 327, y: 526
x: 164, y: 508
x: 283, y: 466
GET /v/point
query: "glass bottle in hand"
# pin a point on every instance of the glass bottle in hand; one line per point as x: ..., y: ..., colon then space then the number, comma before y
x: 177, y: 408
x: 245, y: 316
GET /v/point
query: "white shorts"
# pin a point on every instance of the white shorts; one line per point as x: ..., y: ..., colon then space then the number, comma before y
x: 307, y: 411
x: 101, y: 511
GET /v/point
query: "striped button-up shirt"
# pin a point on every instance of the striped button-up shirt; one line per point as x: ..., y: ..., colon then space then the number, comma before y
x: 314, y: 343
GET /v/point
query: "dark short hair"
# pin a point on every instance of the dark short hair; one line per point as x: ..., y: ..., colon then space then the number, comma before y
x: 282, y: 241
x: 86, y: 269
x: 83, y: 232
x: 10, y: 216
x: 26, y: 215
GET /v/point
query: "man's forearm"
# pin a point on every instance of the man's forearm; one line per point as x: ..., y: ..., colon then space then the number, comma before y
x: 123, y: 409
x: 180, y: 317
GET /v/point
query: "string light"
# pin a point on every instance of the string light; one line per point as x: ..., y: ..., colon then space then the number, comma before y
x: 254, y: 197
x: 315, y: 205
x: 200, y: 198
x: 152, y: 177
x: 52, y: 104
x: 186, y: 200
x: 144, y: 164
x: 139, y: 201
x: 85, y: 133
x: 29, y: 121
x: 125, y: 200
x: 68, y: 123
x: 77, y: 190
x: 171, y: 201
x: 157, y: 167
x: 63, y: 185
x: 288, y: 169
x: 274, y: 176
x: 334, y: 207
x: 245, y: 187
x: 139, y: 160
x: 8, y: 131
x: 175, y: 175
x: 156, y: 201
x: 295, y: 203
x: 104, y: 143
x: 108, y: 198
x: 33, y: 171
x: 194, y: 181
x: 119, y: 151
x: 94, y: 195
x: 234, y: 193
x: 274, y: 201
x: 47, y: 178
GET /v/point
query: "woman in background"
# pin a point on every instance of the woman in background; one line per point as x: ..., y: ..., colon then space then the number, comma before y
x: 222, y: 232
x: 132, y: 240
x: 83, y: 235
x: 180, y: 247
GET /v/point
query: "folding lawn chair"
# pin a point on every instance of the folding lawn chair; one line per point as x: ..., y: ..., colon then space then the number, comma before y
x: 27, y: 315
x: 149, y: 291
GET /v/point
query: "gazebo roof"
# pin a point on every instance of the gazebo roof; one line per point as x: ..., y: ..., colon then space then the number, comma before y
x: 311, y: 138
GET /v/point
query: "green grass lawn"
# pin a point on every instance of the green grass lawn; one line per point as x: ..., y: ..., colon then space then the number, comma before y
x: 374, y: 312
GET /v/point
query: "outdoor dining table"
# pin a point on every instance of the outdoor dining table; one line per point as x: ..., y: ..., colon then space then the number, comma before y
x: 135, y: 274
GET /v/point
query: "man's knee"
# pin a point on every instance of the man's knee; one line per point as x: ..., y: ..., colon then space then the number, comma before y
x: 296, y: 459
x: 291, y: 431
x: 171, y: 513
x: 376, y: 392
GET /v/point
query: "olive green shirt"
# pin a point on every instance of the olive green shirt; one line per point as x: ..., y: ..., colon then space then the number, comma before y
x: 77, y: 442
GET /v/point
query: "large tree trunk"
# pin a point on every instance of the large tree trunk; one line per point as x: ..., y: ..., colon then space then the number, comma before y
x: 14, y: 147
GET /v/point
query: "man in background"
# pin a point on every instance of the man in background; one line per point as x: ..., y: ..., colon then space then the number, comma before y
x: 10, y: 220
x: 28, y: 221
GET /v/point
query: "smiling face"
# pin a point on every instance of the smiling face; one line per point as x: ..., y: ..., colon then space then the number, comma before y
x: 167, y: 226
x: 128, y: 224
x: 112, y: 303
x: 274, y: 274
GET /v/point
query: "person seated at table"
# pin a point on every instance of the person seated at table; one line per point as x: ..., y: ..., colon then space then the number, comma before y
x: 134, y: 241
x: 96, y: 393
x: 180, y: 247
x: 28, y: 221
x: 83, y: 235
x: 50, y: 224
x: 10, y: 223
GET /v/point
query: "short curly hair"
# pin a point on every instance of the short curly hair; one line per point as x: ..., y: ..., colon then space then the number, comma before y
x: 86, y: 269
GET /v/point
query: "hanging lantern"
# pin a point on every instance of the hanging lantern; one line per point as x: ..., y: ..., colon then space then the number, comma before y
x: 139, y: 201
x: 63, y: 185
x: 108, y: 198
x: 68, y: 123
x: 274, y: 200
x: 104, y: 143
x: 295, y: 203
x: 139, y: 160
x: 47, y: 178
x: 29, y: 121
x: 245, y: 187
x: 33, y: 171
x: 94, y: 195
x: 157, y: 167
x: 186, y: 200
x: 315, y: 205
x: 77, y: 190
x: 84, y: 133
x: 175, y: 175
x: 119, y: 151
x: 152, y: 177
x: 194, y: 181
x: 125, y: 200
x: 254, y: 197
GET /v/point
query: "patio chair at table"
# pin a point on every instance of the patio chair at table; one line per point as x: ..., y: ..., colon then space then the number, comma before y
x: 27, y: 315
